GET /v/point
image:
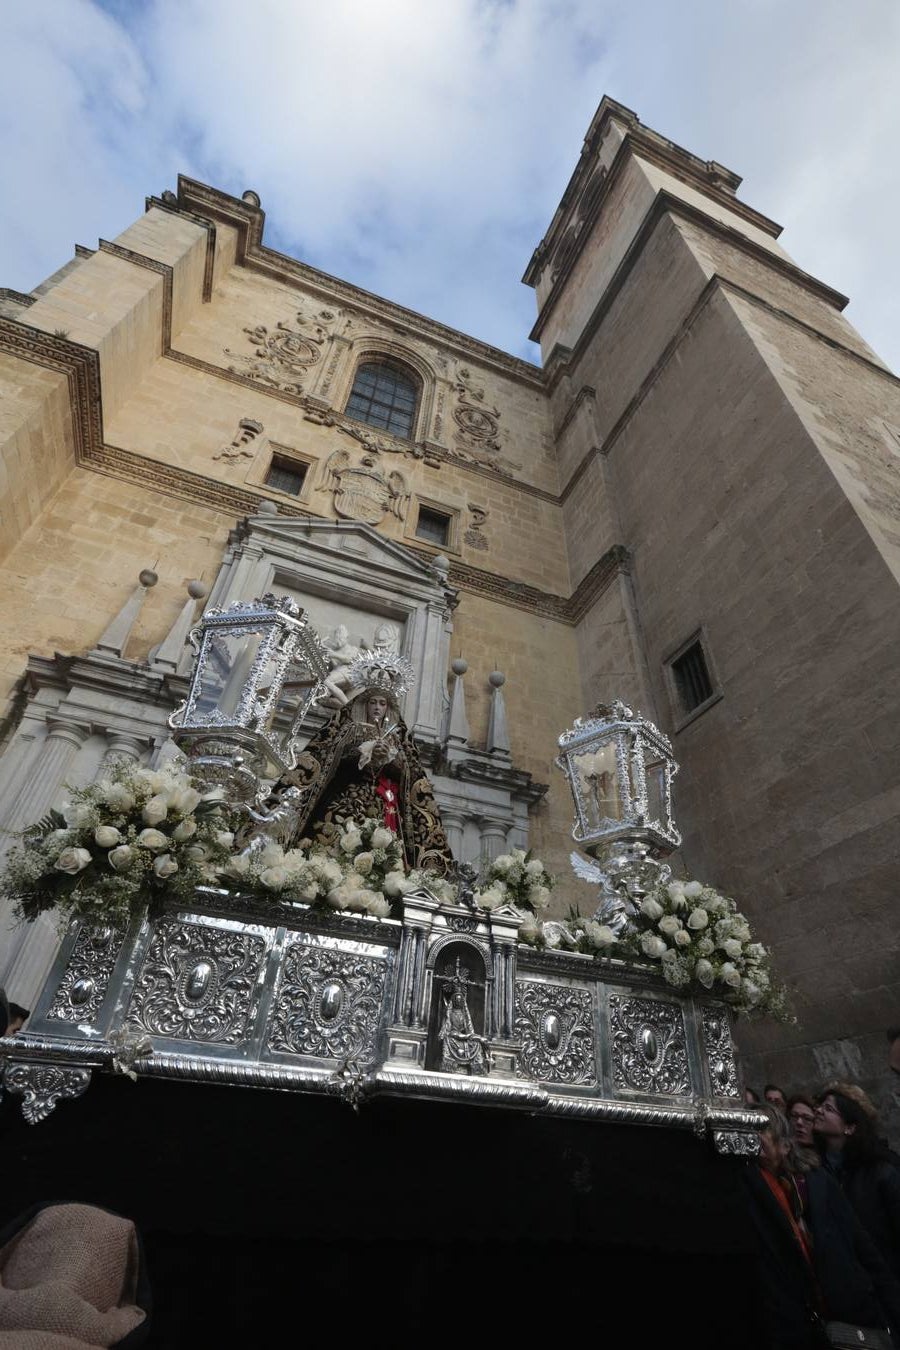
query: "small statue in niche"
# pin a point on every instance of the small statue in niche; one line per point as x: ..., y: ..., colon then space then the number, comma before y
x: 462, y: 1050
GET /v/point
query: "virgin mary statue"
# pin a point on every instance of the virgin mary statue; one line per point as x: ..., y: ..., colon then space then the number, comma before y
x: 364, y: 763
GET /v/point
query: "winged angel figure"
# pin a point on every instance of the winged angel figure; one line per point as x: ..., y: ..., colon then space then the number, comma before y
x: 612, y: 909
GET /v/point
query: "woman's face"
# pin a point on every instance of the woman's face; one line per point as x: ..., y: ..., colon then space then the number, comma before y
x: 376, y: 708
x: 772, y: 1154
x: 829, y: 1123
x: 801, y: 1118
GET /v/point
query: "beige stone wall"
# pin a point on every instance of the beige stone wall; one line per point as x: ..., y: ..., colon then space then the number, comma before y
x: 36, y: 444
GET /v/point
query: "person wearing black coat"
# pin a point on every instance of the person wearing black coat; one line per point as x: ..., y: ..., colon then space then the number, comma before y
x: 864, y: 1167
x: 815, y: 1263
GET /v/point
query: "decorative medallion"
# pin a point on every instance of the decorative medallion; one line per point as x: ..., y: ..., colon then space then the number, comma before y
x: 86, y: 977
x: 197, y: 983
x: 723, y: 1072
x: 328, y: 1004
x: 649, y: 1048
x: 43, y: 1085
x: 362, y: 492
x: 738, y: 1143
x: 555, y: 1025
x: 283, y: 355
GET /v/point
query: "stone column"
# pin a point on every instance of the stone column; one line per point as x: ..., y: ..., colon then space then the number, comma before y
x: 121, y: 748
x: 454, y: 822
x: 493, y: 839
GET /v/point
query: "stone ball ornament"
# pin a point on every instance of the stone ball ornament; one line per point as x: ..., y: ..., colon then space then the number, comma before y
x: 148, y: 578
x: 459, y: 665
x: 197, y: 590
x: 496, y: 679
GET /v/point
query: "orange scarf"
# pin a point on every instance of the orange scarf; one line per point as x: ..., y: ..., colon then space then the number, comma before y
x: 781, y: 1189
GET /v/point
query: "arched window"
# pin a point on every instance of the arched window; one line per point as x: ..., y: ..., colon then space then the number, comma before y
x: 384, y: 396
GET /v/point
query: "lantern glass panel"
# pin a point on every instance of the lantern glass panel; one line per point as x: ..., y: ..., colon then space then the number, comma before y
x: 224, y: 674
x: 598, y: 781
x: 655, y: 775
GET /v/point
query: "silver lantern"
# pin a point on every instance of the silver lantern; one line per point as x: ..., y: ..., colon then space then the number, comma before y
x: 259, y: 667
x: 620, y: 769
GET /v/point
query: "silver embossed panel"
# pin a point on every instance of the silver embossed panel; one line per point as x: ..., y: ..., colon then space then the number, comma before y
x: 197, y: 983
x: 329, y: 1004
x: 83, y: 986
x: 555, y: 1025
x: 723, y: 1073
x: 649, y: 1051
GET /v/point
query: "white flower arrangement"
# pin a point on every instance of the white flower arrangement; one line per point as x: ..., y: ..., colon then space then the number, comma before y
x: 114, y: 845
x: 516, y: 878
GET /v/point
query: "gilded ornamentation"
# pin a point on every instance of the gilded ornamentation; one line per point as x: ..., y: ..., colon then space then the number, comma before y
x: 361, y: 491
x: 555, y: 1025
x: 723, y: 1073
x: 328, y: 1005
x: 86, y: 977
x: 43, y: 1085
x: 649, y: 1048
x: 197, y: 983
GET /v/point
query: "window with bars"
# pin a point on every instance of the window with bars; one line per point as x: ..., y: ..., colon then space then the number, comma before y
x: 385, y: 397
x: 433, y: 526
x: 286, y: 475
x: 690, y: 672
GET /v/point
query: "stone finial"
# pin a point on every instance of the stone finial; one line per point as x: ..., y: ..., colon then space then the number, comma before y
x: 170, y: 653
x: 498, y: 732
x: 115, y: 637
x: 251, y: 198
x: 267, y: 508
x: 458, y: 725
x: 459, y: 665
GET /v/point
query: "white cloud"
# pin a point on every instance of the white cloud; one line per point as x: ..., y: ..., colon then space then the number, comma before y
x: 419, y: 149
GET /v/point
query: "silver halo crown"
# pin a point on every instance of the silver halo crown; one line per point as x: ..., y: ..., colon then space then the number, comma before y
x: 381, y: 669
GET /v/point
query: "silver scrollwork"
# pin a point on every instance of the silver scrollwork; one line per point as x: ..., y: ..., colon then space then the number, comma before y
x: 556, y: 1029
x: 43, y: 1085
x: 723, y: 1072
x: 83, y: 986
x: 197, y: 983
x: 649, y: 1050
x: 737, y: 1143
x: 329, y: 1004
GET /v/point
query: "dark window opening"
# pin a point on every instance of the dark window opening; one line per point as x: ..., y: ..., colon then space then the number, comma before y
x: 286, y: 475
x: 433, y: 526
x: 692, y: 678
x: 385, y: 398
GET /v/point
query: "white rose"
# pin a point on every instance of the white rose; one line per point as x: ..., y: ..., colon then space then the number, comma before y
x: 273, y: 878
x: 731, y: 975
x: 184, y: 831
x: 381, y: 837
x: 704, y: 972
x: 118, y: 797
x: 652, y: 908
x: 489, y: 898
x: 225, y: 838
x: 756, y: 951
x: 534, y: 868
x: 77, y: 815
x: 155, y: 810
x: 714, y: 904
x: 165, y: 866
x: 724, y: 929
x: 379, y: 907
x: 740, y: 930
x: 57, y: 836
x: 682, y: 938
x: 238, y: 866
x: 653, y: 945
x: 331, y: 872
x: 731, y: 947
x: 184, y: 799
x: 154, y: 839
x: 692, y: 889
x: 706, y: 946
x: 121, y: 858
x: 363, y: 863
x: 669, y: 925
x: 598, y: 934
x: 351, y: 840
x: 107, y: 836
x: 502, y: 864
x: 676, y: 895
x: 155, y: 782
x: 196, y: 853
x: 73, y: 860
x: 697, y: 919
x: 338, y: 897
x: 539, y: 897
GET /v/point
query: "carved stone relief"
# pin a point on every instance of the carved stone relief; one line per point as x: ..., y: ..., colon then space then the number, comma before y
x: 473, y: 535
x: 555, y: 1025
x: 241, y: 445
x: 361, y: 491
x: 283, y: 356
x: 197, y: 983
x: 477, y: 439
x: 649, y: 1048
x: 86, y: 977
x: 723, y: 1073
x: 329, y: 1004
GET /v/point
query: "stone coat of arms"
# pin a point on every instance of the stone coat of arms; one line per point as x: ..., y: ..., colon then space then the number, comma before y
x: 361, y: 491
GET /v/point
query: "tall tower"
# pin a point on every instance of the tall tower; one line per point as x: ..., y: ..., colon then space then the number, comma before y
x: 719, y: 420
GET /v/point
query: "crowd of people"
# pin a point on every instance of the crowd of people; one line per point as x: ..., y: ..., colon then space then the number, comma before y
x: 825, y: 1209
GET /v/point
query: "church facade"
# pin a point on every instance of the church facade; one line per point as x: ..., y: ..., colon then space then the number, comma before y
x: 692, y: 505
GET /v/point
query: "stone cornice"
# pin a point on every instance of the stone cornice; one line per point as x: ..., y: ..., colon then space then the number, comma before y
x: 151, y: 265
x: 173, y: 209
x: 253, y: 254
x: 79, y: 364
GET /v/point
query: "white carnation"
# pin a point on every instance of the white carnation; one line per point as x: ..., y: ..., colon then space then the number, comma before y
x: 350, y: 841
x: 378, y: 906
x: 534, y: 868
x: 381, y: 838
x: 225, y: 838
x: 652, y: 908
x: 489, y: 898
x: 363, y: 863
x: 77, y: 815
x: 273, y: 878
x: 502, y: 864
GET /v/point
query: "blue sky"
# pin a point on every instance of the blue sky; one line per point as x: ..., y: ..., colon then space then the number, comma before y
x: 419, y: 148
